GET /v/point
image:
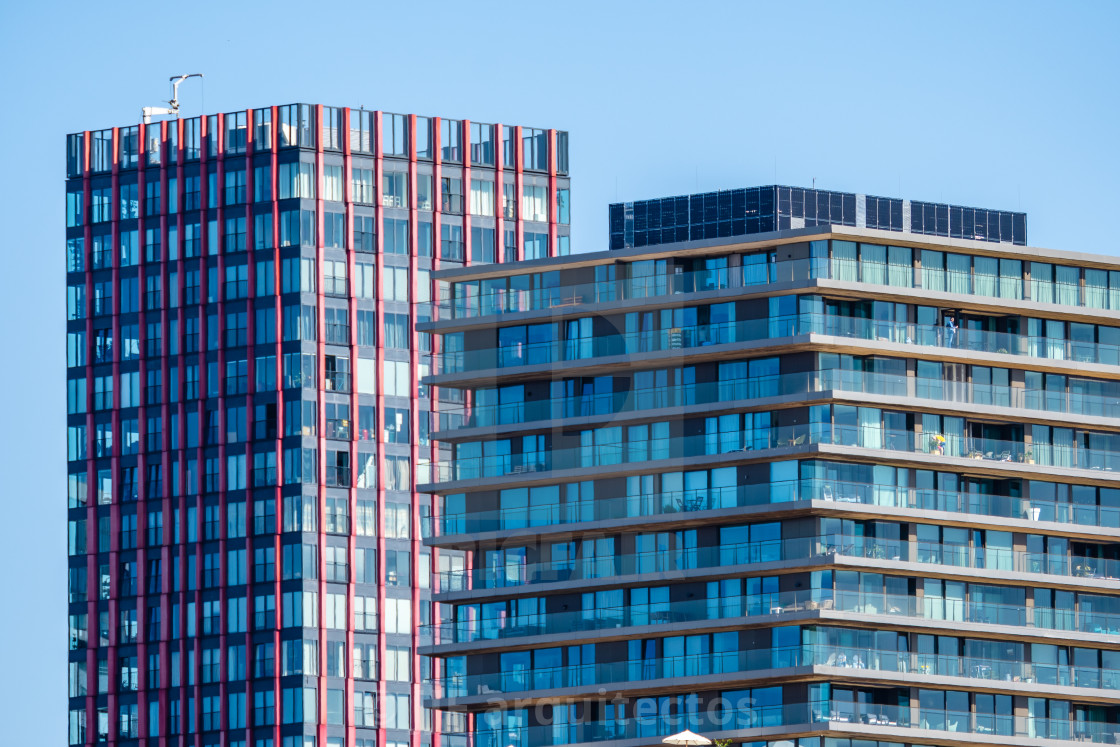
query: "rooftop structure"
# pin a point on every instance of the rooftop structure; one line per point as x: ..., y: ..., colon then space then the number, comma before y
x: 742, y: 212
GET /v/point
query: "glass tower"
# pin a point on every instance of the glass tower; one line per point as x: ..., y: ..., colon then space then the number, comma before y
x: 833, y: 486
x: 246, y: 418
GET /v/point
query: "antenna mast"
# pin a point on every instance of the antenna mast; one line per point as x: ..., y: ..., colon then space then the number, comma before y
x: 148, y: 112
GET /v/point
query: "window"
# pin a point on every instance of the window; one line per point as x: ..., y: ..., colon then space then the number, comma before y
x: 482, y: 144
x: 332, y: 183
x: 394, y: 135
x: 236, y: 328
x: 334, y: 278
x: 338, y: 567
x: 363, y: 280
x: 130, y: 201
x: 534, y: 149
x: 151, y: 198
x: 365, y: 239
x: 237, y: 131
x: 424, y: 138
x: 536, y: 245
x: 235, y: 187
x: 361, y: 131
x: 398, y: 663
x: 534, y: 202
x: 397, y: 520
x: 482, y: 197
x: 262, y: 183
x: 366, y: 334
x: 396, y: 331
x: 361, y: 185
x: 297, y: 275
x: 172, y: 195
x: 394, y: 284
x: 331, y: 126
x: 75, y: 254
x: 397, y: 379
x: 394, y: 189
x: 482, y: 245
x: 75, y: 154
x: 129, y: 142
x: 337, y: 326
x: 398, y: 473
x: 235, y: 234
x: 191, y: 193
x: 101, y: 150
x: 451, y: 242
x: 296, y: 180
x: 451, y: 194
x: 424, y: 197
x: 396, y: 236
x: 101, y: 205
x: 451, y: 140
x: 424, y: 242
x: 74, y: 208
x: 334, y: 229
x: 561, y: 152
x: 237, y: 282
x: 299, y: 323
x: 262, y: 230
x: 398, y: 616
x: 295, y: 126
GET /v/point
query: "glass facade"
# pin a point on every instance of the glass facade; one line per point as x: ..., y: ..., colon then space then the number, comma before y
x: 247, y: 420
x: 827, y: 493
x: 740, y: 212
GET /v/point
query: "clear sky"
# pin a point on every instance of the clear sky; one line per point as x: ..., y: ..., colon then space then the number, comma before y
x: 1009, y: 105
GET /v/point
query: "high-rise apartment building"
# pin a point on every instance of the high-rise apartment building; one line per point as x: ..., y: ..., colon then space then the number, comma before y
x: 246, y: 415
x: 828, y: 486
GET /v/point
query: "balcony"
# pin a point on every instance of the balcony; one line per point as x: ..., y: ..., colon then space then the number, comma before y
x: 775, y: 606
x: 736, y: 665
x: 338, y: 477
x: 712, y: 499
x: 338, y: 429
x: 782, y: 385
x: 336, y: 381
x: 751, y: 445
x: 819, y: 549
x: 747, y: 721
x: 756, y: 330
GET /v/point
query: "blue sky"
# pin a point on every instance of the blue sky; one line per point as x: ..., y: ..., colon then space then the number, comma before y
x: 994, y: 104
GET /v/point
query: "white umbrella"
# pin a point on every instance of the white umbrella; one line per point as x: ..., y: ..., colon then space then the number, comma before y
x: 686, y: 738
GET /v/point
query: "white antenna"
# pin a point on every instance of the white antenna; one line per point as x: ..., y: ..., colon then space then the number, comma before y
x: 150, y: 111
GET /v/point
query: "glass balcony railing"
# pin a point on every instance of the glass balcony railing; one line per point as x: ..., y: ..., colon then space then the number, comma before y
x: 744, y: 663
x: 822, y: 548
x: 454, y: 416
x: 733, y: 717
x: 471, y: 302
x: 709, y: 499
x: 864, y: 603
x: 797, y: 437
x: 753, y: 330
